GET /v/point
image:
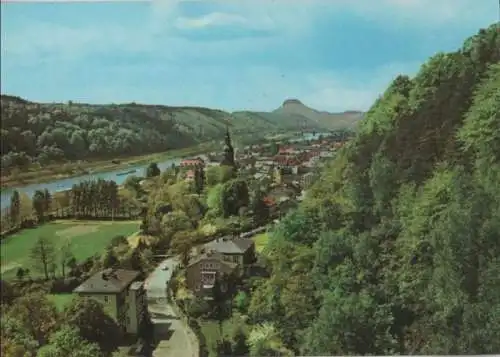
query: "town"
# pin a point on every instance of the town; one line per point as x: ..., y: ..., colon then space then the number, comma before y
x: 220, y: 179
x: 199, y: 246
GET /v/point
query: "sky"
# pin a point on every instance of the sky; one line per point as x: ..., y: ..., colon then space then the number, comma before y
x: 333, y: 55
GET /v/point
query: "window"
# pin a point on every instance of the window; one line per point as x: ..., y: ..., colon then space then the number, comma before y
x: 106, y: 298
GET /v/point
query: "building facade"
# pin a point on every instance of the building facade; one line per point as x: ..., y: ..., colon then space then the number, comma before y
x: 123, y: 297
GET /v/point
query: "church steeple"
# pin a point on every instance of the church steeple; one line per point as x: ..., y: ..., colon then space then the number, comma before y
x: 228, y: 137
x: 228, y: 159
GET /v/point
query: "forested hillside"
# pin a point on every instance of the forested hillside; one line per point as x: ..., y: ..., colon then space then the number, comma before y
x: 396, y: 249
x: 46, y: 133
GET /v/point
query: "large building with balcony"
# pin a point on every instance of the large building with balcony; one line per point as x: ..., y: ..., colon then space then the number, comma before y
x: 122, y: 295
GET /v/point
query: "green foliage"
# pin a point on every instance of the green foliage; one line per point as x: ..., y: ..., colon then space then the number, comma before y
x: 214, y: 199
x: 93, y: 324
x: 35, y: 315
x: 153, y: 170
x: 109, y: 259
x: 234, y: 196
x: 43, y: 256
x: 198, y: 307
x: 14, y: 208
x: 481, y: 130
x: 218, y: 174
x: 395, y: 249
x: 259, y: 208
x: 67, y: 342
x: 242, y: 301
x: 16, y: 339
x: 91, y: 198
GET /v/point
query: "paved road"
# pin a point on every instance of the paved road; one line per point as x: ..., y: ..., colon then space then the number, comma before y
x: 175, y: 340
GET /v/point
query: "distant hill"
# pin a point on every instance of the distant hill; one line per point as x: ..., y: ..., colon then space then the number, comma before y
x: 48, y: 132
x: 296, y: 109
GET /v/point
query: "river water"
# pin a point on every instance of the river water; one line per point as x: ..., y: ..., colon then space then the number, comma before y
x: 67, y: 183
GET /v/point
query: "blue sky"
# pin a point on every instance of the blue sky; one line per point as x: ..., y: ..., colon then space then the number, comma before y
x: 235, y: 54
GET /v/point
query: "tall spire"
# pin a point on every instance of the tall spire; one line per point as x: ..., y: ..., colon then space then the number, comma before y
x: 228, y: 159
x: 228, y: 137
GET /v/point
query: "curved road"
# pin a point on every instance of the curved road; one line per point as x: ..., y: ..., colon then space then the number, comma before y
x: 174, y: 338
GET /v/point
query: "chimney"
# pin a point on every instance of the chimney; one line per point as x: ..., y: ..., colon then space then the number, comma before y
x: 108, y: 273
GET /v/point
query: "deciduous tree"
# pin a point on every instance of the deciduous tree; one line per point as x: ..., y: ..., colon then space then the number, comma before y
x: 43, y: 255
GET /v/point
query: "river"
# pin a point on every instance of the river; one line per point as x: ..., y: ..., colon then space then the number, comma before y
x: 67, y: 183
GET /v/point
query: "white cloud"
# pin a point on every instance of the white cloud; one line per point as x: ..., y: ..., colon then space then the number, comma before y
x: 212, y: 19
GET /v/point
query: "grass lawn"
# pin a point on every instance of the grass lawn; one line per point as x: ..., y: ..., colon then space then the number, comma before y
x: 61, y: 300
x: 260, y: 241
x: 86, y: 239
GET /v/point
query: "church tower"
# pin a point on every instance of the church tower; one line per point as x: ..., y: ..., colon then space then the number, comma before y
x: 228, y: 159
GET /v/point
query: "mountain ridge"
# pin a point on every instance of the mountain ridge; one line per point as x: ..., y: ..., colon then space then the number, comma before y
x: 48, y: 132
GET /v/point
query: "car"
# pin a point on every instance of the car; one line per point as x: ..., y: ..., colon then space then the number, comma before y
x: 165, y: 267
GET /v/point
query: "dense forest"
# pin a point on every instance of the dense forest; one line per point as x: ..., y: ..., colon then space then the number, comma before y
x: 49, y: 133
x: 396, y: 248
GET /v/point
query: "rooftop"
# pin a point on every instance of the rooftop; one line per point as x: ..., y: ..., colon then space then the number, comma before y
x: 108, y: 281
x: 230, y: 246
x: 210, y: 254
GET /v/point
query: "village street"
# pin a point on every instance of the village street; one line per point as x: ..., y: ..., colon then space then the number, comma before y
x: 174, y: 338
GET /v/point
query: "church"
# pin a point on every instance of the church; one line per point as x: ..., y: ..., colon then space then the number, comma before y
x: 228, y: 152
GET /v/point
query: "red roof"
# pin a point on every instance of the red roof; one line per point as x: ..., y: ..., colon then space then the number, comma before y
x: 286, y: 160
x: 187, y: 162
x: 286, y: 150
x: 269, y: 201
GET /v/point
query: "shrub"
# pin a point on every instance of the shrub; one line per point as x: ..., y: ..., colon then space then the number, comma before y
x: 63, y: 286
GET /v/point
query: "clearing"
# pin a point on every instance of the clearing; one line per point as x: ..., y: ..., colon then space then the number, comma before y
x: 260, y: 241
x: 86, y: 238
x: 61, y: 300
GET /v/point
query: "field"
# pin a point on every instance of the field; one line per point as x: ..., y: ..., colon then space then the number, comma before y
x: 86, y: 238
x: 260, y: 241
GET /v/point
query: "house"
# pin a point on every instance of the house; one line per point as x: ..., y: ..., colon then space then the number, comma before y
x: 190, y: 175
x: 207, y: 268
x: 224, y: 257
x: 237, y: 250
x: 192, y: 162
x: 122, y: 295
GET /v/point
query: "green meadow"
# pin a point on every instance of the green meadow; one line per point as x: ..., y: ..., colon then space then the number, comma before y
x: 86, y: 238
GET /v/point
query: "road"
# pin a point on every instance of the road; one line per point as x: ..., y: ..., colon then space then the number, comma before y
x: 173, y: 337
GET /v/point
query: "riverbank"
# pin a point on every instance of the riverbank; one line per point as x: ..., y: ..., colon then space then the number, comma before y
x: 75, y: 169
